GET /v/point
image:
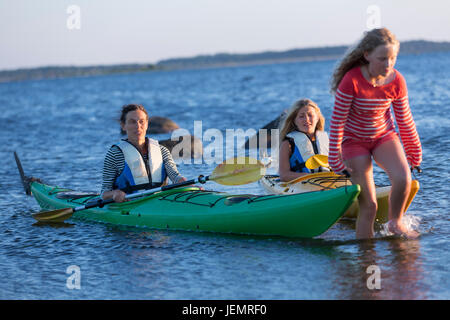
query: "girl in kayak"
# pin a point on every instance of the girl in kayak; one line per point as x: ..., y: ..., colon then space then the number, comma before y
x: 301, y: 137
x: 137, y: 162
x: 365, y: 85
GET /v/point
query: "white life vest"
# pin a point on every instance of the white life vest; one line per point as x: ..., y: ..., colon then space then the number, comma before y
x: 135, y: 162
x: 304, y: 148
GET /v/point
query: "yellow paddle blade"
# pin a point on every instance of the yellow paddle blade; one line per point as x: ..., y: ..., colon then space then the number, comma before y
x: 54, y: 216
x: 415, y: 186
x: 316, y: 161
x: 238, y: 171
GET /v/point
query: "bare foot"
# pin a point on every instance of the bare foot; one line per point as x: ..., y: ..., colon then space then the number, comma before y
x: 398, y: 228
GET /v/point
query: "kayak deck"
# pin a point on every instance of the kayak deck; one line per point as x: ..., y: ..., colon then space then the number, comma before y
x: 329, y: 180
x: 298, y: 215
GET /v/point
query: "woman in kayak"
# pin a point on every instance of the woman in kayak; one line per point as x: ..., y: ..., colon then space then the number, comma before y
x: 301, y: 137
x: 365, y: 85
x: 137, y: 162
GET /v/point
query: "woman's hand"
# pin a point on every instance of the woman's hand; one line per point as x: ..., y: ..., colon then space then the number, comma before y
x: 118, y: 195
x: 181, y: 179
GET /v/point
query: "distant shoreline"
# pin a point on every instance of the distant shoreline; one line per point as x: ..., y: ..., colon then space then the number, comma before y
x: 209, y: 61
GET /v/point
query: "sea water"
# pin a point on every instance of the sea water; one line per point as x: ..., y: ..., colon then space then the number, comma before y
x: 62, y: 129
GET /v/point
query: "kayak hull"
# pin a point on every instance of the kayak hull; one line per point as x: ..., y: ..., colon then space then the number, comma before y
x: 299, y: 215
x: 329, y: 180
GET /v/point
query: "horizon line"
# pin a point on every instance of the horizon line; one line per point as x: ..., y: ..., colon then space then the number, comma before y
x: 187, y: 57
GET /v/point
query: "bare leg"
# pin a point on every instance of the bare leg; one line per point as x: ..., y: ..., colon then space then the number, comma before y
x: 391, y: 158
x: 362, y: 174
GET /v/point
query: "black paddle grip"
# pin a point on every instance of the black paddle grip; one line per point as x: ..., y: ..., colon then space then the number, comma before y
x: 99, y: 203
x: 180, y: 184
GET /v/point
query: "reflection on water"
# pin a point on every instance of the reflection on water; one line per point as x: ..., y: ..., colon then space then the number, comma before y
x: 399, y: 264
x: 55, y: 225
x: 406, y: 271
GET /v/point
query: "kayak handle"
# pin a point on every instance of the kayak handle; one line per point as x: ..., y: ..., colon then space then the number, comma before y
x: 346, y: 173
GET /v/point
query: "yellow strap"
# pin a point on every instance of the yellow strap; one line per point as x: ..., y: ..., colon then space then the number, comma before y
x: 309, y: 176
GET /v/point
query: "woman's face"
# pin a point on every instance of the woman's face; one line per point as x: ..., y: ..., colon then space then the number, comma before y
x: 135, y: 125
x: 382, y: 60
x: 306, y: 120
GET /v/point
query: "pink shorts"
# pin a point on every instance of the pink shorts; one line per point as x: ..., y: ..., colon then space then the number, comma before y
x: 354, y: 148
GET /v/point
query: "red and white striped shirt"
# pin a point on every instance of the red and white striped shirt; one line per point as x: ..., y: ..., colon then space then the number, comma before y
x: 362, y: 111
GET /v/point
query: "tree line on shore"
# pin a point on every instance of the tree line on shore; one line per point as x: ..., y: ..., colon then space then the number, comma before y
x: 205, y: 61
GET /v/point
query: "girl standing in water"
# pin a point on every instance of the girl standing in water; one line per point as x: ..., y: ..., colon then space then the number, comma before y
x: 366, y: 84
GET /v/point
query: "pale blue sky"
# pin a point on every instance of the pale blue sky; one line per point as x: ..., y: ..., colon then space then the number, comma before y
x: 35, y: 33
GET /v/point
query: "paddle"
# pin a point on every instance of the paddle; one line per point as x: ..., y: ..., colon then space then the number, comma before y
x: 235, y: 171
x: 320, y: 160
x: 312, y: 163
x: 316, y: 161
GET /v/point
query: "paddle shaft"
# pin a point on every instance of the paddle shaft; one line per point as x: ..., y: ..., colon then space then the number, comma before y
x: 100, y: 203
x: 231, y: 174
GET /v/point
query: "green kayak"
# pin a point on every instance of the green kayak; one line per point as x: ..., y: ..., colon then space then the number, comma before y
x: 301, y: 215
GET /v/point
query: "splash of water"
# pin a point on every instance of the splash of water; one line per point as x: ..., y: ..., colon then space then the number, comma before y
x: 411, y: 223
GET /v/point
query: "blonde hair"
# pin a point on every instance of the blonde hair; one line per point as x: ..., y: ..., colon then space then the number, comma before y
x: 288, y: 122
x: 355, y: 55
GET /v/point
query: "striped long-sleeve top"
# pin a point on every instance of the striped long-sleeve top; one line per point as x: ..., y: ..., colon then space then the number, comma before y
x: 362, y: 111
x: 114, y: 164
